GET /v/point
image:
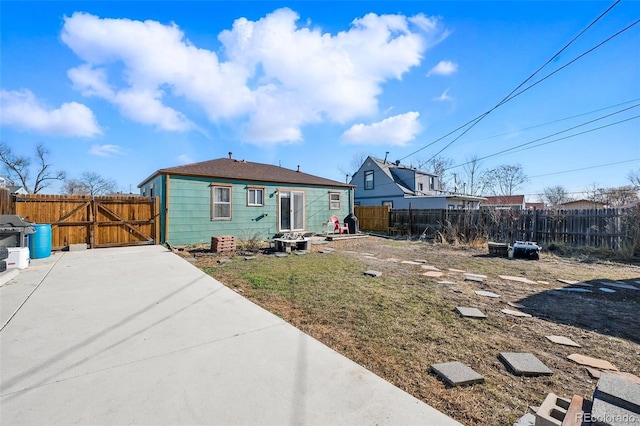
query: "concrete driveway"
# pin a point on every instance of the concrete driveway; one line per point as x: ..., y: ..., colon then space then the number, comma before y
x: 140, y: 336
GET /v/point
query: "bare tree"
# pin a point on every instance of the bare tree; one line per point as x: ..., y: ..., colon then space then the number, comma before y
x: 554, y: 196
x: 504, y: 179
x: 18, y: 169
x: 634, y: 178
x: 472, y: 182
x: 613, y: 196
x: 438, y: 166
x: 90, y: 184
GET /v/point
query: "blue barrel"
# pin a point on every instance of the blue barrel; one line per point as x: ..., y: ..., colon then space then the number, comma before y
x: 40, y: 242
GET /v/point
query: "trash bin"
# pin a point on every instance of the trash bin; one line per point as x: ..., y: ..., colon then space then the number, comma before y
x: 40, y: 242
x: 352, y: 222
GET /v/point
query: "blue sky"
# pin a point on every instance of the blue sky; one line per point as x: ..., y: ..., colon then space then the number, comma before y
x: 126, y: 88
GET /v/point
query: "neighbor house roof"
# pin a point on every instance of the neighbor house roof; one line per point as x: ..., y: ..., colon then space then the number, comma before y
x: 504, y: 200
x: 228, y: 168
x: 583, y: 202
x: 387, y: 167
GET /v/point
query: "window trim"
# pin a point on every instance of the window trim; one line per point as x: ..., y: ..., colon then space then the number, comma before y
x: 214, y: 186
x: 339, y: 200
x: 368, y: 173
x: 255, y: 188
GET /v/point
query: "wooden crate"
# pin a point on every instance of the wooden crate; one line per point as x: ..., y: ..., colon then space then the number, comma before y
x: 223, y: 243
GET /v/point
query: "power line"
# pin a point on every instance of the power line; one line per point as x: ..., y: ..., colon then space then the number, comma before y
x: 511, y: 95
x: 515, y: 148
x: 587, y: 168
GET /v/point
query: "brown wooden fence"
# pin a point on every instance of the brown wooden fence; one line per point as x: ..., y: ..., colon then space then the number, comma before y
x: 108, y: 221
x: 7, y: 206
x: 373, y: 218
x: 614, y: 229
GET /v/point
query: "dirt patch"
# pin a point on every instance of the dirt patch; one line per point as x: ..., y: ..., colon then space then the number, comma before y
x: 398, y: 324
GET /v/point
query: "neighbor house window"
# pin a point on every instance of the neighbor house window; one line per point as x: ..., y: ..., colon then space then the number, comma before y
x: 368, y: 179
x: 334, y: 201
x: 220, y: 203
x: 420, y: 187
x: 255, y: 197
x: 432, y: 183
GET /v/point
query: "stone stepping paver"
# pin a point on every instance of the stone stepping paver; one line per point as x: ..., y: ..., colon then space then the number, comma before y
x: 373, y: 273
x: 470, y: 312
x: 456, y: 270
x: 524, y: 364
x: 574, y: 289
x: 515, y: 313
x: 486, y: 293
x: 606, y: 290
x: 561, y: 340
x: 624, y: 286
x: 592, y: 362
x: 475, y: 277
x: 516, y: 305
x: 543, y: 282
x: 430, y: 267
x: 518, y: 279
x: 570, y: 282
x: 410, y: 262
x: 456, y: 373
x: 249, y: 257
x: 595, y: 374
x: 367, y: 254
x: 446, y: 282
x: 223, y: 261
x: 393, y: 259
x: 420, y: 261
x: 433, y: 274
x: 282, y: 254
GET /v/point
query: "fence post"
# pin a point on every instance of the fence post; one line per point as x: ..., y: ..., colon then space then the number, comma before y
x: 410, y: 220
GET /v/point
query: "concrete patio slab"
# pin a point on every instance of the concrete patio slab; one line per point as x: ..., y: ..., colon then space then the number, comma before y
x: 139, y: 336
x: 456, y: 374
x: 524, y: 364
x: 470, y: 312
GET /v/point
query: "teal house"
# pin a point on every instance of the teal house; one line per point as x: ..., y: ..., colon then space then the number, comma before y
x: 243, y: 199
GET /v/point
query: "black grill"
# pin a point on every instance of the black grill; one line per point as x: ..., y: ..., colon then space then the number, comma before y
x: 14, y: 231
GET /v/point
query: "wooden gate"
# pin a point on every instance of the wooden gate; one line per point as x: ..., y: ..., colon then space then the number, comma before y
x: 373, y: 218
x: 108, y: 221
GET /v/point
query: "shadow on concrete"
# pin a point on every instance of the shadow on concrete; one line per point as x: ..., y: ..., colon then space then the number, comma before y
x: 614, y: 314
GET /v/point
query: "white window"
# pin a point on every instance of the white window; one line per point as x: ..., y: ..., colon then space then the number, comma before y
x: 255, y: 197
x: 432, y: 183
x: 420, y: 187
x: 334, y: 201
x: 368, y: 179
x: 220, y: 203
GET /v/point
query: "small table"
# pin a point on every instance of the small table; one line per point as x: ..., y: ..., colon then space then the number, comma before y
x: 285, y: 245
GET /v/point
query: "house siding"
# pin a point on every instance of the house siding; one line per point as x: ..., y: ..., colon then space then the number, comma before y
x: 189, y: 209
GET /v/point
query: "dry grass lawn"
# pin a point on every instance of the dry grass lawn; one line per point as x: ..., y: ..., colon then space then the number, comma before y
x: 398, y: 324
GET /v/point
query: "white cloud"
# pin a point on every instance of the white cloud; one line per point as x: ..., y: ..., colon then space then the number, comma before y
x: 397, y: 130
x: 444, y: 97
x: 106, y: 150
x: 443, y: 68
x: 20, y: 109
x: 275, y: 76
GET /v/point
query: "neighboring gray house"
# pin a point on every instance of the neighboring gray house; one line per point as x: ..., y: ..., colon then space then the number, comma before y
x: 379, y: 182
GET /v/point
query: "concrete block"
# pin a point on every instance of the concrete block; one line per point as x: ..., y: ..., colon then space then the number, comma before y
x: 606, y: 414
x: 524, y: 364
x: 618, y: 391
x: 470, y: 312
x: 552, y: 411
x: 373, y: 273
x: 456, y: 373
x: 526, y: 420
x: 577, y: 411
x: 78, y: 247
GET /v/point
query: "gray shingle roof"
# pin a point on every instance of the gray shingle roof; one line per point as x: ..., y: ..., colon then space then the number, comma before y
x: 226, y: 168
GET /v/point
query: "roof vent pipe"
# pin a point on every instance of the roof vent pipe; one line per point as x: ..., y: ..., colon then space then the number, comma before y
x: 230, y: 155
x: 298, y: 168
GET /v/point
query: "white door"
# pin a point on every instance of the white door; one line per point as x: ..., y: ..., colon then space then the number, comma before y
x: 291, y: 211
